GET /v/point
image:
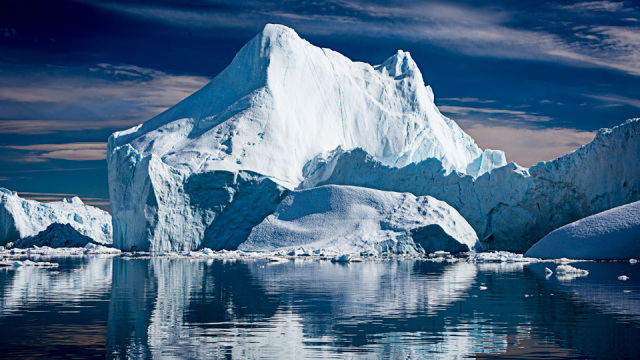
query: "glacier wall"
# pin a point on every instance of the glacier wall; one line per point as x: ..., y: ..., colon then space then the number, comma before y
x: 512, y: 207
x: 157, y: 207
x: 20, y: 218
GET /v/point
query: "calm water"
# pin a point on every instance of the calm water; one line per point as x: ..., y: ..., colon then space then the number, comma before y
x: 90, y: 307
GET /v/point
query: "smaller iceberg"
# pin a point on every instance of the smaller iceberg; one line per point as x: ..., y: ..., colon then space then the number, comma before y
x: 350, y: 220
x: 20, y: 218
x: 610, y: 235
x: 56, y: 236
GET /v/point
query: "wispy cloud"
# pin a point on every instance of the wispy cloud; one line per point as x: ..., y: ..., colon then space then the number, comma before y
x: 615, y: 100
x: 469, y: 100
x: 104, y: 96
x: 475, y: 31
x: 528, y: 146
x: 463, y: 111
x: 70, y: 151
x: 608, y: 6
x: 40, y: 127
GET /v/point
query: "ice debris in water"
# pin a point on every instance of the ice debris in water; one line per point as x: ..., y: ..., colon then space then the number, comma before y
x: 568, y: 272
x: 623, y: 277
x: 499, y: 256
x: 34, y: 263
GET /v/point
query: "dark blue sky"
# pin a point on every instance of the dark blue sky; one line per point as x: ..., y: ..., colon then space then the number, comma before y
x: 533, y: 78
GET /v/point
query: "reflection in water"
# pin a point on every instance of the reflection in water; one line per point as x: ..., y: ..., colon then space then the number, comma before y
x: 182, y: 308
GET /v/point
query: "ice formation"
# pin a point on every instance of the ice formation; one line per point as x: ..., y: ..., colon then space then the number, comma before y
x: 56, y: 236
x: 20, y: 218
x: 253, y: 132
x: 352, y: 219
x: 612, y: 234
x: 512, y: 207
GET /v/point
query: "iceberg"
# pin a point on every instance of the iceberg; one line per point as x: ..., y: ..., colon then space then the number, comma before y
x: 512, y: 207
x: 610, y: 235
x: 349, y: 219
x: 20, y: 218
x: 254, y: 131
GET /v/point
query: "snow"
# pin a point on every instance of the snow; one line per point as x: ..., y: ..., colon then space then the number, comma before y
x: 352, y: 220
x: 280, y: 104
x: 510, y: 208
x: 612, y: 234
x: 21, y: 218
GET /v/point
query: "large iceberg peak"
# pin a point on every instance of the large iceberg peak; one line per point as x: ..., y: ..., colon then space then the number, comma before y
x: 401, y: 65
x: 280, y: 104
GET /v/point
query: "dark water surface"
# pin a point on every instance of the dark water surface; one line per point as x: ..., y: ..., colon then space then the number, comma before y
x: 92, y: 307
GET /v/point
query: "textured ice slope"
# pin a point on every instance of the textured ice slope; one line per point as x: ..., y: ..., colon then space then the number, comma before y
x: 612, y: 234
x: 512, y: 207
x: 20, y: 218
x: 56, y: 236
x: 352, y: 219
x: 278, y: 105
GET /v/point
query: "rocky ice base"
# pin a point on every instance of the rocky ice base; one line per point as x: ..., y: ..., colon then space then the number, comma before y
x: 351, y: 219
x: 20, y: 218
x: 612, y: 234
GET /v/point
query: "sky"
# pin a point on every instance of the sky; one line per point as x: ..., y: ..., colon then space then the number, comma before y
x: 536, y: 79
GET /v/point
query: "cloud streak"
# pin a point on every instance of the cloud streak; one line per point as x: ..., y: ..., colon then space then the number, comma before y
x: 104, y: 96
x: 528, y: 146
x: 475, y: 31
x: 71, y: 151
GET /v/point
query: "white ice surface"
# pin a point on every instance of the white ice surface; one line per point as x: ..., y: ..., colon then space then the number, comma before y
x: 20, y: 218
x: 348, y: 219
x: 612, y: 234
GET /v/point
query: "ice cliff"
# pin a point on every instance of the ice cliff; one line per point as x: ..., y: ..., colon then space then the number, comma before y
x: 207, y: 170
x: 20, y: 218
x: 512, y: 207
x: 612, y: 234
x: 352, y: 219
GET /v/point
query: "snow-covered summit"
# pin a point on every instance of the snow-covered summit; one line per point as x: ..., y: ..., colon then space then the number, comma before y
x: 282, y: 101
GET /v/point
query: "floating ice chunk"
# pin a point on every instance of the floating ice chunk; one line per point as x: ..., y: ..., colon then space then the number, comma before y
x: 342, y: 258
x: 482, y: 288
x: 548, y: 272
x: 633, y: 261
x: 568, y: 272
x: 34, y: 263
x: 623, y: 277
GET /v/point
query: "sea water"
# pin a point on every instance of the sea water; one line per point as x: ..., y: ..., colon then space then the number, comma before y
x: 127, y: 307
